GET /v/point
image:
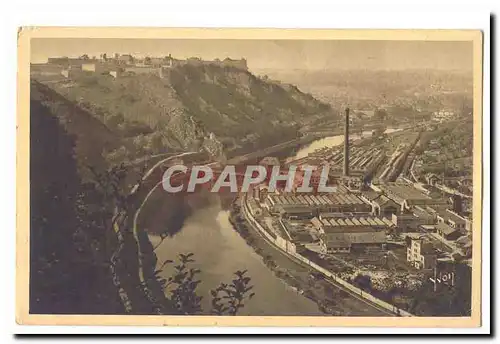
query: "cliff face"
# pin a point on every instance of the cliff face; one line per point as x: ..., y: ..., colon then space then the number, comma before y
x: 191, y: 103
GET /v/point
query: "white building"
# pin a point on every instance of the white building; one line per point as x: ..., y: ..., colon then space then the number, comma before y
x: 421, y: 254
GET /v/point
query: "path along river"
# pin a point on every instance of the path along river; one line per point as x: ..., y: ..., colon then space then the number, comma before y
x: 219, y: 251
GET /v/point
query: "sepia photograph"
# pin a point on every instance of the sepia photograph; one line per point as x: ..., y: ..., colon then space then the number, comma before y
x: 249, y: 177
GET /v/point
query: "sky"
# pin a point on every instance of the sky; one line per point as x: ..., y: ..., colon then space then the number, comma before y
x: 275, y: 54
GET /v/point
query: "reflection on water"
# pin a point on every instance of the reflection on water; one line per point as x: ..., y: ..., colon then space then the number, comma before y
x: 219, y: 251
x: 334, y: 141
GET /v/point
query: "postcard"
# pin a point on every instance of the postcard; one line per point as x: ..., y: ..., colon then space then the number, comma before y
x: 249, y: 177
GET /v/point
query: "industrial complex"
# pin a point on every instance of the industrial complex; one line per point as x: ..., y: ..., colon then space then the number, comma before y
x: 364, y: 215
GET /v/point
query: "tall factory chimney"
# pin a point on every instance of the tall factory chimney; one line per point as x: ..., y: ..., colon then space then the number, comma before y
x: 346, y: 143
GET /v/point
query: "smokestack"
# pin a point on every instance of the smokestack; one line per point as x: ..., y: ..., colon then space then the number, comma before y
x: 346, y: 143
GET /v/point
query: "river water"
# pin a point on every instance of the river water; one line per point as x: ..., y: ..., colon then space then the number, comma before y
x: 219, y: 251
x: 334, y: 141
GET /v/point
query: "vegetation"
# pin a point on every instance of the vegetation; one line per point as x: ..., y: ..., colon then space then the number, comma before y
x: 228, y: 299
x: 179, y: 111
x: 69, y: 250
x: 83, y: 257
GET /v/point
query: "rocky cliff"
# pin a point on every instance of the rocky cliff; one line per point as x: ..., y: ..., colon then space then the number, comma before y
x: 231, y: 107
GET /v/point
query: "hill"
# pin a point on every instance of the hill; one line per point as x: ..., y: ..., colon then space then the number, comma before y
x: 369, y: 89
x: 182, y: 109
x: 89, y: 135
x: 69, y: 252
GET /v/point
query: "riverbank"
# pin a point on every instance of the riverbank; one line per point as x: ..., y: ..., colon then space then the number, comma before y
x: 330, y: 299
x: 219, y: 251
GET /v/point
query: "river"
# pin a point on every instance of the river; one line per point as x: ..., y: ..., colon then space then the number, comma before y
x: 334, y: 141
x: 219, y: 251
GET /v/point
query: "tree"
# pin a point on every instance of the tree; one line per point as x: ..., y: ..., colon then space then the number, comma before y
x: 228, y: 299
x: 180, y: 288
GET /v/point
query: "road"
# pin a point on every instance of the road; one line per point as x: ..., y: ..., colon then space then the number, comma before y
x: 376, y: 308
x: 135, y: 228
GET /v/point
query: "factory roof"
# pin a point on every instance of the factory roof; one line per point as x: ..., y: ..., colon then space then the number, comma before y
x: 427, y: 248
x: 294, y: 209
x: 448, y: 215
x: 388, y: 222
x: 383, y: 200
x: 422, y: 213
x: 443, y: 227
x: 352, y: 229
x: 302, y: 237
x: 317, y: 200
x: 464, y: 241
x: 344, y: 242
x: 403, y: 191
x: 316, y: 222
x: 348, y: 223
x: 370, y: 195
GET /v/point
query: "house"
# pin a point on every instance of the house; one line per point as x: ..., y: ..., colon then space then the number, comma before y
x: 125, y: 59
x: 156, y: 62
x: 421, y: 254
x: 452, y: 219
x: 114, y: 73
x: 447, y: 232
x: 89, y: 67
x: 468, y: 225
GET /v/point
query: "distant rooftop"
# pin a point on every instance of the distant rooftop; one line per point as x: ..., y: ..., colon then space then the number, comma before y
x: 443, y: 227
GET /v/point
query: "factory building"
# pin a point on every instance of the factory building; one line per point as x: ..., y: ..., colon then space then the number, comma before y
x: 344, y: 235
x: 381, y: 204
x: 407, y: 196
x: 314, y: 181
x: 326, y: 203
x: 425, y: 216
